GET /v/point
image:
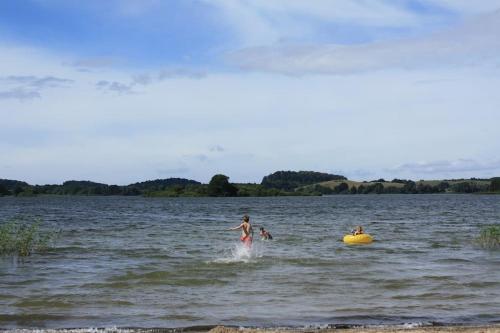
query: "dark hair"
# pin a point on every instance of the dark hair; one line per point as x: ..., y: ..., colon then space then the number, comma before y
x: 246, y: 218
x: 261, y: 228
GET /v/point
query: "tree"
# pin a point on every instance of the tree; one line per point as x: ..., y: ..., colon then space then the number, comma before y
x: 409, y: 187
x: 378, y: 188
x: 114, y: 190
x: 424, y: 188
x: 219, y: 186
x: 290, y: 180
x: 341, y: 188
x: 495, y: 184
x: 17, y: 190
x: 3, y: 190
x: 323, y: 189
x: 443, y: 186
x: 462, y: 187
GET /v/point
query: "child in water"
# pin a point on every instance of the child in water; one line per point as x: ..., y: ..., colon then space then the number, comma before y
x: 264, y: 234
x: 246, y: 231
x: 358, y: 231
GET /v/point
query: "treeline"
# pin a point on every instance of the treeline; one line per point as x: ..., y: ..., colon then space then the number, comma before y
x: 411, y: 187
x: 277, y: 184
x: 74, y: 187
x: 281, y: 183
x: 290, y: 180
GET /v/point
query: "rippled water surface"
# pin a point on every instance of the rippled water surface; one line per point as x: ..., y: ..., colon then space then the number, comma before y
x: 142, y: 262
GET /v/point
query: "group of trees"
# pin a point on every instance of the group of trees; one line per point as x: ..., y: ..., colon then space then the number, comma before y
x: 74, y: 187
x: 495, y: 184
x: 277, y: 184
x: 12, y: 187
x: 219, y: 186
x: 409, y: 187
x: 290, y: 180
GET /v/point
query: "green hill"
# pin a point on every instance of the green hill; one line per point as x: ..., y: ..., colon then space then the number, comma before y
x: 290, y: 180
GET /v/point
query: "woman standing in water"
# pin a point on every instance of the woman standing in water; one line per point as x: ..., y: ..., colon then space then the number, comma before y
x: 246, y: 231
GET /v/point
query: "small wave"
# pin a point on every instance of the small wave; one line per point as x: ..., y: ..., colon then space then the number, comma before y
x: 157, y: 278
x: 44, y: 303
x: 455, y: 260
x: 240, y: 253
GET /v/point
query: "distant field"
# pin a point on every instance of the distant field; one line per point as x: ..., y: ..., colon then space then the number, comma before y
x: 333, y: 183
x: 451, y: 182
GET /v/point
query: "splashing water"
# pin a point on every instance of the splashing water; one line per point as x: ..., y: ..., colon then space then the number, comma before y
x: 241, y: 253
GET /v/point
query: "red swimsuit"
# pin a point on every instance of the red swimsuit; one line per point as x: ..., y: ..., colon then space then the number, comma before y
x: 247, y: 240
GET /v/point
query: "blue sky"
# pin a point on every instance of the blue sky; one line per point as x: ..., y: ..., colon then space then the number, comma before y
x: 122, y: 91
x: 155, y: 33
x: 146, y: 36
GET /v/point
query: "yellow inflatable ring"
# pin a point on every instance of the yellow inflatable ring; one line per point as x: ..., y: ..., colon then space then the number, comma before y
x: 358, y: 239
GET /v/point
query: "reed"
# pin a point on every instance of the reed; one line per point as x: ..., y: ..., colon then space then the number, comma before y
x: 489, y: 237
x: 24, y: 238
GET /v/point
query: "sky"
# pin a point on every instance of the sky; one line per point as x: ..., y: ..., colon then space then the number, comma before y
x: 125, y: 91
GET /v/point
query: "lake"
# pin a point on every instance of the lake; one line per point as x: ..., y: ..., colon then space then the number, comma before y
x: 170, y: 262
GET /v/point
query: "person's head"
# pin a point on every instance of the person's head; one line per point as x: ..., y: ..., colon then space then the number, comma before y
x: 261, y: 228
x: 359, y: 228
x: 246, y: 218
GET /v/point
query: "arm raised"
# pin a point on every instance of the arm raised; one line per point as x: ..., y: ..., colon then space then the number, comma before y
x: 236, y: 228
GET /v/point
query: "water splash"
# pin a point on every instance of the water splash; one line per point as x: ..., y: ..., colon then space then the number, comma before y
x: 241, y: 253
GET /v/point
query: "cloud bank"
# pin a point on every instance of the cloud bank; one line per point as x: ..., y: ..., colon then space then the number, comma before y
x: 29, y: 87
x: 473, y: 43
x: 460, y: 166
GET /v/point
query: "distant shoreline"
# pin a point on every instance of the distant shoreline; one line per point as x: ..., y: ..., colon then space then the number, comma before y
x: 280, y: 183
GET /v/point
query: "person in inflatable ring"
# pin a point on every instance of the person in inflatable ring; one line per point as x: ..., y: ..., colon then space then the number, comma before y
x: 358, y: 231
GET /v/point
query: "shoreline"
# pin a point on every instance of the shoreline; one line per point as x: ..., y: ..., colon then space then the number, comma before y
x: 370, y: 329
x: 344, y: 328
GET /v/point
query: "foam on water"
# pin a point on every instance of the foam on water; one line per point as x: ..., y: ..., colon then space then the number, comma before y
x: 239, y: 252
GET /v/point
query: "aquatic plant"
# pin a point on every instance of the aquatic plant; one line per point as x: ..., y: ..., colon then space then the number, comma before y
x: 23, y: 238
x: 489, y: 237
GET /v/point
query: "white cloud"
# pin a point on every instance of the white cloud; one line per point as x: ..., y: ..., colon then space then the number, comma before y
x: 216, y: 148
x: 444, y: 166
x: 474, y: 43
x: 19, y: 94
x: 114, y: 86
x: 180, y: 72
x: 87, y: 64
x: 29, y: 87
x: 36, y: 82
x: 261, y: 22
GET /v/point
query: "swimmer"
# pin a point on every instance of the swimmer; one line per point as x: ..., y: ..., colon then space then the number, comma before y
x: 246, y: 231
x: 358, y: 231
x: 264, y: 234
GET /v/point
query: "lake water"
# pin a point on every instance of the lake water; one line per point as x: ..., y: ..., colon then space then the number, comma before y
x: 144, y: 262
